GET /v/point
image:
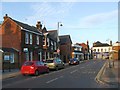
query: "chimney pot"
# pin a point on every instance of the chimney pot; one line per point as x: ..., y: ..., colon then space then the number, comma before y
x: 39, y: 25
x: 5, y: 17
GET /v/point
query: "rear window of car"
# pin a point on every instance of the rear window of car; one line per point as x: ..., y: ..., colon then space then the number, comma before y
x: 28, y: 63
x: 49, y: 61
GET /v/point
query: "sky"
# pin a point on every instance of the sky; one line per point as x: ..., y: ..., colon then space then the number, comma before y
x: 92, y: 21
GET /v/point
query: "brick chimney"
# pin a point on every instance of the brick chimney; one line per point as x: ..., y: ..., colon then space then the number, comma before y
x: 5, y: 17
x: 111, y: 43
x: 87, y: 42
x: 39, y: 25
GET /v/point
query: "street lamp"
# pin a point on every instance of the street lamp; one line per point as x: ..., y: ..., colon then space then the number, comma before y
x: 58, y: 40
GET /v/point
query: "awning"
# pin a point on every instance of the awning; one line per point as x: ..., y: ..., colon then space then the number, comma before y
x: 8, y: 50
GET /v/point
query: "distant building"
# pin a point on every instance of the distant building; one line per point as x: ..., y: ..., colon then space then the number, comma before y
x: 77, y: 52
x: 85, y: 50
x: 65, y: 47
x: 101, y: 50
x: 116, y: 51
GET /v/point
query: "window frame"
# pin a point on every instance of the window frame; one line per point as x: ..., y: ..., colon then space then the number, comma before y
x: 26, y: 38
x: 31, y: 38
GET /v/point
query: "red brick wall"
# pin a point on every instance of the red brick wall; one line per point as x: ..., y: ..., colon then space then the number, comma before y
x: 11, y: 35
x: 65, y: 50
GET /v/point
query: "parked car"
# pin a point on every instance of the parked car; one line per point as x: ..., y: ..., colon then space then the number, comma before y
x: 73, y: 61
x: 54, y: 63
x: 34, y: 67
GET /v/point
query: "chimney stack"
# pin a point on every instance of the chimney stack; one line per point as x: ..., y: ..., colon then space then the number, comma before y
x: 111, y: 43
x: 5, y: 17
x: 87, y: 42
x: 39, y: 25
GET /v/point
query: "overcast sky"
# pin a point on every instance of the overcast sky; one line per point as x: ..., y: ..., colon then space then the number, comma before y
x: 92, y: 21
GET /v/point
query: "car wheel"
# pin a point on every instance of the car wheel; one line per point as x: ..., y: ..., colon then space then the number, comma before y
x: 56, y: 68
x: 48, y: 70
x: 63, y: 66
x: 24, y: 74
x: 36, y: 73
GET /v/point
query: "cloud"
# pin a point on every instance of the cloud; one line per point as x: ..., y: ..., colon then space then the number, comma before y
x: 49, y: 11
x: 98, y: 19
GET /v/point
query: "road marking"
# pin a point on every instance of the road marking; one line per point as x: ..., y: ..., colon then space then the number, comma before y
x: 82, y: 67
x: 51, y: 80
x: 61, y: 77
x: 73, y: 71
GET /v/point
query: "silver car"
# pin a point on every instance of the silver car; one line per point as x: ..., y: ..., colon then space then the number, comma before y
x: 54, y: 63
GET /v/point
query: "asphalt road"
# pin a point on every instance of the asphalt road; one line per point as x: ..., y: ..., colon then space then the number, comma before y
x: 75, y: 76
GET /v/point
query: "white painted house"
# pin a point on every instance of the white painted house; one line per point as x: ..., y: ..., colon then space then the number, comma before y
x: 101, y: 50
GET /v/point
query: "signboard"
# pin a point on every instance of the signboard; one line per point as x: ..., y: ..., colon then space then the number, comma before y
x: 58, y: 50
x: 25, y: 49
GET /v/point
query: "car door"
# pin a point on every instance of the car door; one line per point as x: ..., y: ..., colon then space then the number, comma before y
x: 61, y: 63
x: 43, y: 67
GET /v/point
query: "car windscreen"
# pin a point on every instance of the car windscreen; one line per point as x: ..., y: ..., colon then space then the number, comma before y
x: 28, y: 63
x: 49, y: 61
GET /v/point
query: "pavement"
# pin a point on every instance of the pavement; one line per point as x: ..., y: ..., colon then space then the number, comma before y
x: 109, y: 73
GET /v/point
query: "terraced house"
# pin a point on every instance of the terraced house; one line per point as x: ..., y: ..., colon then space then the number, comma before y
x: 20, y: 42
x: 50, y: 43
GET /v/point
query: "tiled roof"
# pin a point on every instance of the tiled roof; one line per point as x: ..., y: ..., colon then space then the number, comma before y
x: 99, y: 44
x: 53, y: 34
x: 26, y: 26
x: 65, y: 39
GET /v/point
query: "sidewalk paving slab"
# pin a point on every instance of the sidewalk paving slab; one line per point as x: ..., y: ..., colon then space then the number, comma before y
x: 110, y: 75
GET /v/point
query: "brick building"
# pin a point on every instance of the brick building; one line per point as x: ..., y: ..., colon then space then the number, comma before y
x: 77, y: 52
x: 65, y: 48
x: 20, y: 42
x: 85, y: 50
x: 116, y: 51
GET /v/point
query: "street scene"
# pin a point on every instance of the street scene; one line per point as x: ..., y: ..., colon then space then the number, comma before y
x: 59, y: 45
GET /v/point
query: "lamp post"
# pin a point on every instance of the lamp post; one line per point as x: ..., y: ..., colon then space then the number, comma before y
x: 58, y: 40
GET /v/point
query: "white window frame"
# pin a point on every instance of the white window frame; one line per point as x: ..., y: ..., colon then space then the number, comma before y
x: 40, y: 56
x: 38, y: 40
x: 26, y: 38
x: 48, y: 42
x: 31, y: 56
x: 51, y: 45
x: 48, y: 54
x: 55, y: 45
x: 31, y: 39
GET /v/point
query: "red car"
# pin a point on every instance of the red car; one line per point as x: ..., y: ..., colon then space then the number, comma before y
x: 34, y: 68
